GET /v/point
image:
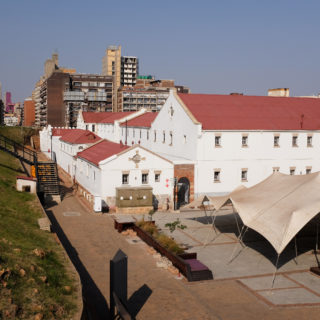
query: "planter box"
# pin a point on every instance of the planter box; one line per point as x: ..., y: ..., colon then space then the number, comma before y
x: 187, y: 263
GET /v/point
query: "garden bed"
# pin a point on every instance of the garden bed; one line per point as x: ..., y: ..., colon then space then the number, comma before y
x: 187, y: 263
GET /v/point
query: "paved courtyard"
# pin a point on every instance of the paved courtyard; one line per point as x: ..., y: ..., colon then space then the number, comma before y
x: 252, y: 265
x: 240, y: 289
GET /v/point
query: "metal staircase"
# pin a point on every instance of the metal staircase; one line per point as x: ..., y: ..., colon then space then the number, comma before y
x: 45, y: 172
x: 48, y: 179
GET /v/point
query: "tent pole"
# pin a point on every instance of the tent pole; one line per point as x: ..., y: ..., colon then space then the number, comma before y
x: 239, y: 241
x: 317, y: 237
x: 296, y: 250
x: 234, y: 213
x: 214, y: 227
x: 275, y: 271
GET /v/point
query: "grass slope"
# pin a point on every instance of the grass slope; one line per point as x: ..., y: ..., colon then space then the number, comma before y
x: 34, y: 282
x: 19, y: 134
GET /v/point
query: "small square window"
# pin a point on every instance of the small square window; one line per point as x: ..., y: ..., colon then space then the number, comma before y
x: 309, y: 141
x: 157, y: 177
x: 244, y: 141
x: 217, y: 141
x: 144, y: 178
x: 275, y: 169
x: 216, y: 176
x: 125, y: 178
x: 292, y: 171
x: 244, y: 175
x: 295, y: 141
x: 308, y: 170
x: 276, y: 140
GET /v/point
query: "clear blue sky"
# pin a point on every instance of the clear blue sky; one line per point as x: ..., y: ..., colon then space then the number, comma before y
x: 210, y: 46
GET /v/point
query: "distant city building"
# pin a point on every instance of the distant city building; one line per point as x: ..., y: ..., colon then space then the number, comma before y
x: 10, y: 120
x: 279, y: 92
x: 9, y: 106
x: 148, y: 93
x: 62, y: 95
x: 38, y: 94
x: 29, y: 112
x: 1, y: 113
x: 123, y: 69
x: 129, y: 71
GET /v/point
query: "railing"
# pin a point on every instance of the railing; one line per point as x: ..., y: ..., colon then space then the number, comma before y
x: 18, y: 150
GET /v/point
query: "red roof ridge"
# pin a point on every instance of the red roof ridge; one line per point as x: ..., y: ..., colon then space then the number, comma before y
x: 241, y: 112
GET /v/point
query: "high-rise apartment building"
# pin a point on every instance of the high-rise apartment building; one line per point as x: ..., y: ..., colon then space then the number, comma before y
x: 129, y: 71
x: 123, y: 69
x: 28, y: 112
x: 111, y: 64
x: 63, y: 95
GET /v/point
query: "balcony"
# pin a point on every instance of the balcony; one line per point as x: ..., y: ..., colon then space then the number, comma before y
x: 73, y: 96
x: 96, y: 96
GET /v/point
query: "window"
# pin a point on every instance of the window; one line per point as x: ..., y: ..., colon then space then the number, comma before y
x: 87, y: 127
x: 171, y: 138
x: 276, y: 140
x: 148, y: 135
x: 157, y: 177
x: 164, y: 137
x: 217, y: 141
x: 244, y: 141
x: 275, y: 169
x: 216, y: 175
x: 125, y: 178
x: 184, y: 138
x: 144, y: 178
x: 308, y: 170
x: 309, y: 141
x: 93, y: 128
x: 133, y: 132
x: 292, y: 171
x: 294, y: 141
x: 155, y: 136
x: 140, y: 133
x: 94, y: 175
x: 244, y: 174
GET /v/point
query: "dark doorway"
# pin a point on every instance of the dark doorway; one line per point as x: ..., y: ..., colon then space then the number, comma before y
x: 183, y: 191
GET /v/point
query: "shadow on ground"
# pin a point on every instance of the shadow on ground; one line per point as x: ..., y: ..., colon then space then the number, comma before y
x: 305, y: 239
x: 94, y: 304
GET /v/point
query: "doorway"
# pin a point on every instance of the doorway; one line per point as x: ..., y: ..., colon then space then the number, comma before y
x: 183, y: 192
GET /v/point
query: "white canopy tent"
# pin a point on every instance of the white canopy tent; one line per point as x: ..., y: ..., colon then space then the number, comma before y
x: 278, y: 207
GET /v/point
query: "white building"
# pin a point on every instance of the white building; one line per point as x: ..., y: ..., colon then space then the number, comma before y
x: 218, y: 142
x: 213, y: 143
x: 105, y: 166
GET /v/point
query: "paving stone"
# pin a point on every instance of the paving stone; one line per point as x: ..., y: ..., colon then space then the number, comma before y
x: 290, y: 296
x: 260, y: 283
x: 307, y: 279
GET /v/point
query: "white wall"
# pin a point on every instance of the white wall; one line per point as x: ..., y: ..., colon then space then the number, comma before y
x: 259, y: 157
x: 184, y: 132
x: 103, y: 180
x: 112, y: 171
x: 89, y: 176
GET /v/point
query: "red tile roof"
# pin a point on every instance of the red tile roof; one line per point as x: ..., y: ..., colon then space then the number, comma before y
x: 236, y: 112
x: 79, y: 136
x: 60, y: 131
x: 145, y: 120
x: 103, y: 117
x: 101, y: 151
